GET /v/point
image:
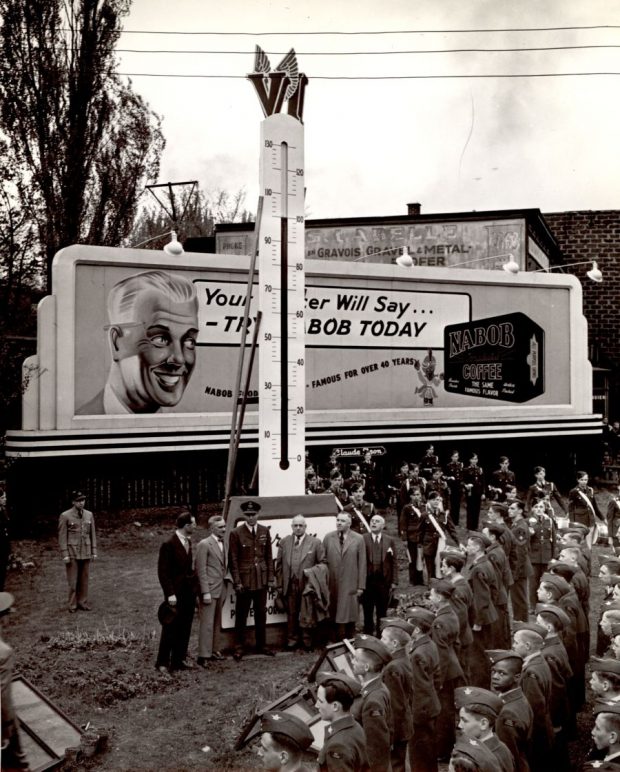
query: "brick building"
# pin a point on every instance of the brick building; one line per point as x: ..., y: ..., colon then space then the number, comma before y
x: 595, y: 235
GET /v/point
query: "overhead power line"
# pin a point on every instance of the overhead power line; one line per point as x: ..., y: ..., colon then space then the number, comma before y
x: 366, y: 32
x: 378, y: 77
x: 367, y: 53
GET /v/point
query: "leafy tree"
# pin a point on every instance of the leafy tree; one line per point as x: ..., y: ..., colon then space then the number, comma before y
x: 82, y: 142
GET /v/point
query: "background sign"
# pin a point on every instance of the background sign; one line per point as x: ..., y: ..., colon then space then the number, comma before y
x: 501, y: 357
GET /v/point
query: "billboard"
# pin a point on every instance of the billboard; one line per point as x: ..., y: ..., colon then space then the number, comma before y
x: 138, y: 351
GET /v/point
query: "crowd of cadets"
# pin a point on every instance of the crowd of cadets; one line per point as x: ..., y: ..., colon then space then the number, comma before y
x: 489, y: 671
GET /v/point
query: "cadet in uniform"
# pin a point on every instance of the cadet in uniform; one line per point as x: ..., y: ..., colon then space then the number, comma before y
x: 424, y: 659
x: 497, y: 557
x: 344, y: 747
x: 474, y: 754
x: 606, y: 736
x: 542, y: 489
x: 515, y: 720
x: 358, y: 508
x: 284, y: 739
x: 473, y: 483
x: 536, y: 685
x: 522, y: 567
x: 444, y: 632
x: 542, y: 545
x: 372, y: 709
x: 482, y: 580
x: 613, y: 521
x: 454, y: 478
x: 500, y: 479
x: 410, y: 524
x: 398, y: 677
x: 462, y: 601
x: 478, y: 710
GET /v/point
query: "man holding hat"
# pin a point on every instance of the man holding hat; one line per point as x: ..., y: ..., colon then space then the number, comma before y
x: 536, y: 684
x: 344, y: 747
x: 78, y: 546
x: 424, y: 659
x: 180, y: 586
x: 398, y: 677
x: 251, y: 566
x: 478, y: 710
x: 515, y: 719
x: 373, y: 709
x: 13, y: 757
x: 284, y: 739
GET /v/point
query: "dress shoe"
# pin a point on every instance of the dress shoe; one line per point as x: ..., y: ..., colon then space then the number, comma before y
x: 266, y: 652
x: 72, y: 610
x: 84, y: 606
x: 217, y: 655
x: 162, y: 669
x: 238, y: 655
x: 203, y: 662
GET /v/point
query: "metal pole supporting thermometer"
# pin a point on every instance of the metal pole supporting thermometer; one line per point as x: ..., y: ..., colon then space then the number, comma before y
x: 282, y: 383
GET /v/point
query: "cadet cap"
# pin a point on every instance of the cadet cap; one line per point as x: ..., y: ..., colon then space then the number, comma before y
x: 485, y: 760
x: 480, y: 537
x: 557, y: 581
x: 498, y: 655
x: 605, y: 665
x: 561, y: 567
x: 420, y: 617
x: 494, y: 527
x: 398, y: 622
x: 612, y: 562
x: 468, y: 696
x: 288, y: 725
x: 370, y: 643
x: 442, y: 586
x: 602, y: 706
x: 77, y: 496
x: 533, y: 627
x: 340, y: 679
x: 557, y: 612
x: 453, y: 554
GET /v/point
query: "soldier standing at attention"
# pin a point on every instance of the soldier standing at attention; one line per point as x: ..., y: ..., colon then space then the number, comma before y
x: 78, y: 546
x: 398, y: 677
x: 344, y: 747
x: 454, y: 478
x: 373, y: 709
x: 284, y: 739
x: 521, y: 567
x: 542, y: 545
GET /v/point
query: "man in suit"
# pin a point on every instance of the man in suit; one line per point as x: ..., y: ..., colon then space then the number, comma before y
x: 297, y: 552
x: 251, y: 566
x: 346, y: 559
x: 381, y: 574
x: 178, y: 581
x: 211, y: 561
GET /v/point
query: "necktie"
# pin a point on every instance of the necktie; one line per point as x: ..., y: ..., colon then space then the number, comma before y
x: 376, y: 540
x: 297, y: 541
x: 253, y: 532
x: 341, y: 537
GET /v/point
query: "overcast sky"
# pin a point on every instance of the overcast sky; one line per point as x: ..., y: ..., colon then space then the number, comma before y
x: 453, y: 144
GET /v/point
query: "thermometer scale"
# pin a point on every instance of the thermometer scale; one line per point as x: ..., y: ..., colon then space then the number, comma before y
x: 282, y: 382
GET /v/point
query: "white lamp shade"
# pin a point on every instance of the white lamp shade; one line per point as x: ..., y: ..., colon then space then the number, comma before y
x: 174, y: 246
x: 594, y: 273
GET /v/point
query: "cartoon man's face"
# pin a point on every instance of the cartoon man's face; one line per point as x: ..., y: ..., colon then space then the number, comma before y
x: 156, y: 353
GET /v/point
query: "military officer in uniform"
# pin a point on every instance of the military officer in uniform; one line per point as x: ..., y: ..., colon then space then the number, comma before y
x: 373, y: 708
x: 251, y: 566
x: 500, y: 479
x: 454, y: 478
x: 515, y: 719
x: 613, y: 521
x: 360, y: 510
x: 78, y: 546
x: 542, y: 489
x: 284, y: 740
x: 344, y: 747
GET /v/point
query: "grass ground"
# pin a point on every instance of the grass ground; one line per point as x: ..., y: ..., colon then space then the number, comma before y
x: 99, y: 666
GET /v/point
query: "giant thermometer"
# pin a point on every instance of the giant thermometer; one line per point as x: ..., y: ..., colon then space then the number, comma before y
x: 282, y: 382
